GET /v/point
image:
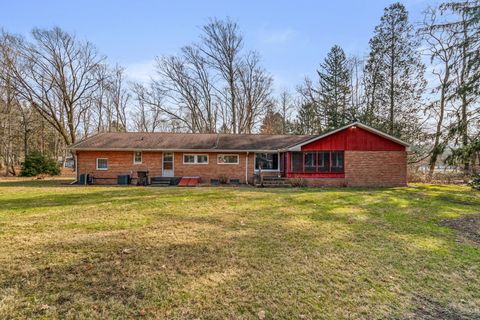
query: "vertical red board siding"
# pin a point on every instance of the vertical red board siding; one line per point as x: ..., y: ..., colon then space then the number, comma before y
x: 354, y: 138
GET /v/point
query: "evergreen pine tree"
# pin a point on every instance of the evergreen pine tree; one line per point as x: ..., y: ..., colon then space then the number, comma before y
x: 334, y: 90
x: 394, y: 74
x: 272, y: 123
x: 308, y: 120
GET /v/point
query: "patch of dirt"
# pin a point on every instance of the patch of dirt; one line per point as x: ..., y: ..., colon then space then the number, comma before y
x: 430, y: 309
x: 468, y: 226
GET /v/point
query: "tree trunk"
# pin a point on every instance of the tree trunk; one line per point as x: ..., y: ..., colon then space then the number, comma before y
x: 232, y: 102
x: 436, y: 146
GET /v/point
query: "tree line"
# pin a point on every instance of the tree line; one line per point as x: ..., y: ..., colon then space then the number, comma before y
x: 419, y: 81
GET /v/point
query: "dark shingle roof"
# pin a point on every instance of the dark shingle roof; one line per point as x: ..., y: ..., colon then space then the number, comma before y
x: 188, y: 141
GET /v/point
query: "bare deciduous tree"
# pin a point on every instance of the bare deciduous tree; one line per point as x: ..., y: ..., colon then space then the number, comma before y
x: 148, y: 113
x: 253, y: 89
x: 187, y: 84
x: 439, y: 46
x: 285, y: 106
x: 57, y: 76
x: 222, y: 44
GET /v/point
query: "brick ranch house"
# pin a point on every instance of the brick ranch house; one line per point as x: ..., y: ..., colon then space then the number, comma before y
x: 354, y: 155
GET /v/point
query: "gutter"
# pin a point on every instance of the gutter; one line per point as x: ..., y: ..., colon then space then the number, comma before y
x: 173, y: 150
x: 246, y: 168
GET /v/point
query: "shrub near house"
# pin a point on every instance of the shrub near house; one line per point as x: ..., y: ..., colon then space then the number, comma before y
x: 36, y: 163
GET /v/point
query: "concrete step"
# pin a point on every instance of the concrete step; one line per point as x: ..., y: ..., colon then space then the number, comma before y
x: 271, y: 184
x: 266, y: 185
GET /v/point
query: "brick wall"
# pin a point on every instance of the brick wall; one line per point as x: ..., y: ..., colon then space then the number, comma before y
x: 121, y: 163
x: 213, y: 170
x: 375, y: 168
x: 362, y: 168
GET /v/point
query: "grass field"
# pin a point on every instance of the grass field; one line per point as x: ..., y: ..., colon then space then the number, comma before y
x: 238, y: 253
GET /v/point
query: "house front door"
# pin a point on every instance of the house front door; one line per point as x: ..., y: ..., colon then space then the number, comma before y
x: 167, y: 164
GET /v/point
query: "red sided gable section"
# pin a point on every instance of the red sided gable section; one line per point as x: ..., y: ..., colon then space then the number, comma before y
x: 354, y: 138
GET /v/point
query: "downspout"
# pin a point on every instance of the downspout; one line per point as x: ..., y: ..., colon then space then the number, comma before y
x: 246, y: 169
x: 76, y: 167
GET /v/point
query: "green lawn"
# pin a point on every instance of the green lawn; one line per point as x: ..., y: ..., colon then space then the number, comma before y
x: 237, y: 253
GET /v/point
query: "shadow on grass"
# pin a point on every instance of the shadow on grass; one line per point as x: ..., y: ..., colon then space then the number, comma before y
x: 36, y: 183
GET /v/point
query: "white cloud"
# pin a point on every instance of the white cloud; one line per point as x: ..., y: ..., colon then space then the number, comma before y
x: 279, y: 36
x: 141, y: 71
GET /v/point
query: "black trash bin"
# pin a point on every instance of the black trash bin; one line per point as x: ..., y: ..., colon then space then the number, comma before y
x: 123, y: 179
x: 89, y: 179
x: 142, y: 178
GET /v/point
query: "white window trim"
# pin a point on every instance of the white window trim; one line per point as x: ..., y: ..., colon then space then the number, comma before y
x: 229, y: 154
x: 265, y: 170
x: 141, y: 157
x: 195, y: 156
x: 96, y: 164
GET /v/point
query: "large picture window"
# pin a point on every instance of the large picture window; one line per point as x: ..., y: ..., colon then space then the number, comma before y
x: 195, y: 158
x: 266, y: 161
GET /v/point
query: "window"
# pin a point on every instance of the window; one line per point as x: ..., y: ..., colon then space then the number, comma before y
x: 337, y: 161
x: 310, y: 161
x: 266, y: 161
x: 202, y: 158
x: 195, y: 158
x: 188, y: 158
x: 227, y: 159
x: 102, y: 164
x: 323, y: 161
x: 137, y: 157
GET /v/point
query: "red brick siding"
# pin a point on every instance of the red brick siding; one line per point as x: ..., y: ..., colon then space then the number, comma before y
x: 121, y: 163
x: 362, y: 168
x: 213, y: 170
x: 375, y: 168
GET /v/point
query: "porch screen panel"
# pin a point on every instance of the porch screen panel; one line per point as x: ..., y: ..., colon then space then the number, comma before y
x: 337, y: 161
x: 297, y: 161
x: 282, y: 162
x: 310, y: 161
x: 323, y: 161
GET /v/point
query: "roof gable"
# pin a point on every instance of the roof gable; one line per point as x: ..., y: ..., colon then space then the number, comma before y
x: 347, y: 138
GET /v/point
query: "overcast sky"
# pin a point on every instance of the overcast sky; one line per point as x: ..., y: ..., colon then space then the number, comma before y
x: 292, y: 37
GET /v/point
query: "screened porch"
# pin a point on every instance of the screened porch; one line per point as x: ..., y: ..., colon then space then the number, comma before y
x: 315, y: 164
